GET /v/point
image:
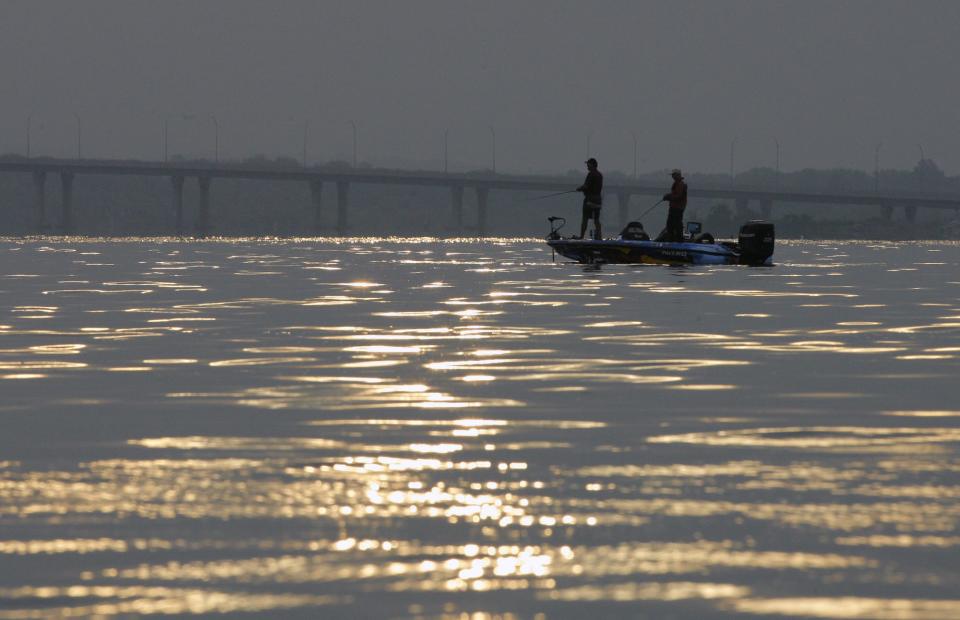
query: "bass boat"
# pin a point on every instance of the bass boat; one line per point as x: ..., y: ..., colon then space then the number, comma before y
x: 754, y: 246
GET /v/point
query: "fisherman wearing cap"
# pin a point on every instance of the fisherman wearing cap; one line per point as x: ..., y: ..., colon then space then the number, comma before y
x: 592, y: 189
x: 677, y: 198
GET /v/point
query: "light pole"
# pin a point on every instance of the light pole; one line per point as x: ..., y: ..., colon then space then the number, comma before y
x: 166, y: 135
x: 216, y: 139
x: 634, y: 134
x: 306, y: 131
x: 777, y: 178
x: 79, y: 136
x: 29, y: 124
x: 733, y: 144
x: 354, y: 126
x: 876, y: 167
x: 493, y: 148
x: 446, y: 134
x: 922, y: 157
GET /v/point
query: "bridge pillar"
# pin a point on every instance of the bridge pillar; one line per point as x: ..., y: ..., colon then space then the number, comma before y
x: 343, y: 201
x: 456, y: 195
x: 66, y: 198
x: 316, y: 193
x: 40, y: 200
x: 911, y: 212
x: 743, y: 204
x: 203, y: 214
x: 177, y: 183
x: 886, y: 211
x: 482, y: 193
x: 766, y: 208
x: 623, y: 202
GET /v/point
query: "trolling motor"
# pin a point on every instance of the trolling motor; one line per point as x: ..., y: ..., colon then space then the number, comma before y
x: 555, y: 227
x: 555, y: 232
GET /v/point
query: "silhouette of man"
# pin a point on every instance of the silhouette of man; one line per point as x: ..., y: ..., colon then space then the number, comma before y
x: 592, y: 189
x: 677, y: 198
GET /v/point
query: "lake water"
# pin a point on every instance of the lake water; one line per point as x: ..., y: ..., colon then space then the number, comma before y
x: 409, y: 428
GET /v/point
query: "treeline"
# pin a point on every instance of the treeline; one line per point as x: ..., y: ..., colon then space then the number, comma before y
x: 122, y: 205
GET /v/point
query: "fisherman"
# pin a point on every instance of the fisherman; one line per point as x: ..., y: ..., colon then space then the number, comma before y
x: 592, y: 189
x: 677, y: 198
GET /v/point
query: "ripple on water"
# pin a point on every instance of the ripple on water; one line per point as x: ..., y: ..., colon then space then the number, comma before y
x: 337, y: 427
x: 817, y: 437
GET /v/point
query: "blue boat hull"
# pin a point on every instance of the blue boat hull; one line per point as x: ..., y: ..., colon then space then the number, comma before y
x: 649, y: 252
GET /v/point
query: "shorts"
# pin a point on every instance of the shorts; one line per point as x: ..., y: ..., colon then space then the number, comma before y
x: 591, y: 209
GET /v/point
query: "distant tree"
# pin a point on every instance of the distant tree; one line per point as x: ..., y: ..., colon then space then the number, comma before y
x: 927, y: 176
x: 337, y: 165
x: 286, y: 162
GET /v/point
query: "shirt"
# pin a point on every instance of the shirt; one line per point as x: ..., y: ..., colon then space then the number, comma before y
x: 678, y: 195
x: 592, y: 187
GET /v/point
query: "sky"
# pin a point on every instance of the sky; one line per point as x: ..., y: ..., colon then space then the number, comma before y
x: 835, y: 83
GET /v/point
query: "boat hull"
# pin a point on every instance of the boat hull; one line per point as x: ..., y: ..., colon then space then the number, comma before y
x: 647, y: 252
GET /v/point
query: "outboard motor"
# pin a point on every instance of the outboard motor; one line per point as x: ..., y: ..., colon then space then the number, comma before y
x: 634, y: 231
x: 756, y: 242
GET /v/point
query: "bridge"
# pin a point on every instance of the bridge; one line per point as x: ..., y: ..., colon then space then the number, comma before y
x: 481, y: 184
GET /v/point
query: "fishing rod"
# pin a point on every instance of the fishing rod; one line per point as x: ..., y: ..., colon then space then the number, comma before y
x: 650, y: 209
x: 569, y: 191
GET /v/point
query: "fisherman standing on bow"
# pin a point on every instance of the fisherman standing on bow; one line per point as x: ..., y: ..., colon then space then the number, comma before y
x: 592, y: 189
x: 677, y: 198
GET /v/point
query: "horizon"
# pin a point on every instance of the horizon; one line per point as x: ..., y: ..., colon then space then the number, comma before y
x: 292, y: 162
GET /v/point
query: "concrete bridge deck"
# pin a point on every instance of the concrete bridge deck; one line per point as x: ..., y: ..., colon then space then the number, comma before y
x: 482, y: 184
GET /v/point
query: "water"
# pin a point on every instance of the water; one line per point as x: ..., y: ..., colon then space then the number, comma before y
x: 422, y: 429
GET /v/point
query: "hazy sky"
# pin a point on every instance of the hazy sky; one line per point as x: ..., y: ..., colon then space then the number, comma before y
x: 829, y: 80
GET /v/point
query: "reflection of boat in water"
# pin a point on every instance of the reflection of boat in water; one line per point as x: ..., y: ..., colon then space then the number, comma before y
x: 754, y: 246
